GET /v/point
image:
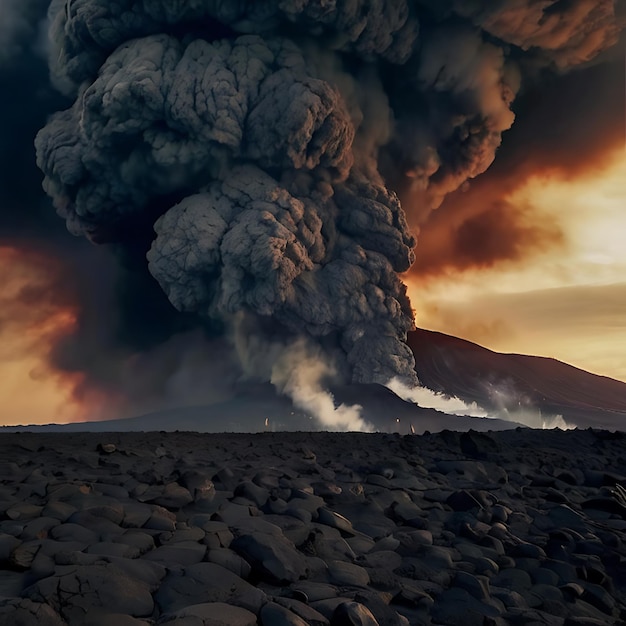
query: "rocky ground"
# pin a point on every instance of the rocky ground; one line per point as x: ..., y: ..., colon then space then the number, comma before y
x: 279, y: 529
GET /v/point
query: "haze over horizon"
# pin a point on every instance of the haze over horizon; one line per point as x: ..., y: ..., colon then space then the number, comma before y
x: 523, y: 255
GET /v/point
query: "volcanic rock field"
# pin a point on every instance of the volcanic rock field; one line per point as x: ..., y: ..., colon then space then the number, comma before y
x: 288, y: 529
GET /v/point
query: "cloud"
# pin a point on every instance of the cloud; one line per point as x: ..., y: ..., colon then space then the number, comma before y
x: 201, y: 122
x: 429, y: 399
x: 482, y: 225
x: 581, y: 325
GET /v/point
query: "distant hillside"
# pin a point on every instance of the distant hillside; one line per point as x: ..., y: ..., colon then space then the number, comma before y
x: 515, y: 382
x: 516, y: 389
x: 252, y: 405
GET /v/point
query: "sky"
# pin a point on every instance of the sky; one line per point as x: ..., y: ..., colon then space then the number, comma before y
x: 530, y: 257
x: 522, y: 253
x: 566, y: 301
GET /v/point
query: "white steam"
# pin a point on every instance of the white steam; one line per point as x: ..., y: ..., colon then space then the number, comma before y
x: 298, y: 373
x: 556, y: 421
x: 429, y: 399
x: 510, y: 405
x: 298, y: 369
x: 516, y: 406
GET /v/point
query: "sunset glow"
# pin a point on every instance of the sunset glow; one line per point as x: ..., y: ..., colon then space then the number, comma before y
x: 31, y: 392
x: 566, y: 301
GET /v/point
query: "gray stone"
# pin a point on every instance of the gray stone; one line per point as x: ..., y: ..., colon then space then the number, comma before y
x: 512, y: 578
x: 180, y: 553
x: 411, y: 541
x: 23, y: 511
x: 273, y: 556
x: 456, y: 607
x: 232, y: 513
x: 473, y: 471
x: 335, y: 520
x: 385, y: 559
x: 38, y: 528
x: 199, y: 485
x: 327, y: 606
x: 248, y: 490
x: 137, y: 539
x: 342, y: 573
x: 599, y: 597
x: 8, y: 543
x: 230, y: 560
x: 477, y: 586
x: 110, y: 548
x: 509, y: 597
x: 58, y: 509
x: 25, y: 612
x: 361, y: 544
x: 182, y: 533
x: 136, y: 514
x: 538, y: 595
x: 462, y: 500
x: 315, y: 591
x: 207, y: 582
x: 211, y: 614
x: 527, y: 550
x: 113, y: 619
x: 295, y: 530
x: 73, y: 532
x: 160, y: 519
x: 11, y: 584
x: 24, y: 554
x: 173, y: 496
x: 273, y: 614
x: 94, y: 522
x: 386, y: 543
x: 308, y: 614
x: 76, y: 590
x: 327, y: 547
x: 104, y: 507
x: 352, y: 614
x: 146, y: 571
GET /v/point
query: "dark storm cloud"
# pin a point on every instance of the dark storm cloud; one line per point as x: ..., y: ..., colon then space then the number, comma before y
x: 567, y: 126
x: 102, y: 325
x: 261, y: 141
x: 22, y: 28
x: 450, y: 126
x: 281, y: 225
x: 240, y: 133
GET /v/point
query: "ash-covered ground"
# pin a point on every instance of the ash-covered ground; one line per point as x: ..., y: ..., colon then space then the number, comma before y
x: 513, y: 527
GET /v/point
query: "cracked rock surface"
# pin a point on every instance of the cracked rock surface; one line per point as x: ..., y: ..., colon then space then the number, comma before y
x: 323, y: 529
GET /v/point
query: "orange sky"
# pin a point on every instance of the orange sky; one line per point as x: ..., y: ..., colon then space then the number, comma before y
x: 565, y: 298
x: 531, y: 258
x: 29, y: 325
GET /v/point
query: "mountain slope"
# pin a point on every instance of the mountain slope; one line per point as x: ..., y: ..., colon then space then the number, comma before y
x: 515, y: 383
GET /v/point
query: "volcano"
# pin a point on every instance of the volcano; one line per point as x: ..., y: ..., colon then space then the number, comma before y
x: 514, y: 384
x: 514, y: 389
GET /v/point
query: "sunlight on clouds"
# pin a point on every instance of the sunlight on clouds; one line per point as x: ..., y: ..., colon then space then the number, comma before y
x: 568, y: 304
x: 591, y: 211
x: 30, y: 393
x: 29, y: 399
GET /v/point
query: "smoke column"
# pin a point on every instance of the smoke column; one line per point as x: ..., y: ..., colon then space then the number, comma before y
x: 254, y: 150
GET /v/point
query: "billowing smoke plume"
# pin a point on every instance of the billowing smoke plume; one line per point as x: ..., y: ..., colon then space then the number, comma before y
x: 429, y: 399
x: 274, y: 217
x: 252, y: 149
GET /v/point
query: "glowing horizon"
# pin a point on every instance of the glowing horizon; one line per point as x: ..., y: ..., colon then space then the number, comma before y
x: 566, y: 302
x: 32, y: 392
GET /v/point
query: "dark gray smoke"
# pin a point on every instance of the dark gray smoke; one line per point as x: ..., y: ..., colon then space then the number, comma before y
x: 260, y: 141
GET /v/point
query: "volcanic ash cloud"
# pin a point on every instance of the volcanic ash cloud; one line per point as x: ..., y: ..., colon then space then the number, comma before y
x: 244, y: 141
x: 241, y: 159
